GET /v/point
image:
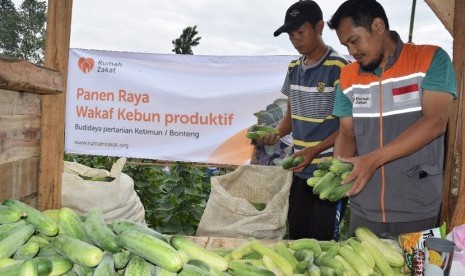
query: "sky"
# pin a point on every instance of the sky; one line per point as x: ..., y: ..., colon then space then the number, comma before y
x: 226, y: 28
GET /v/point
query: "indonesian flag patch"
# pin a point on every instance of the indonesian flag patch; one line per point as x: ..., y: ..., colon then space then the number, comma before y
x: 406, y: 93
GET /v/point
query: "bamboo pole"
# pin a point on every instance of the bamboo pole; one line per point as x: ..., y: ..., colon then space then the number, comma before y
x: 53, y: 106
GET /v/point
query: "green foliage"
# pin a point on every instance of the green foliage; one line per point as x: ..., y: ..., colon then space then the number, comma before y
x: 22, y: 31
x: 174, y: 197
x: 187, y: 40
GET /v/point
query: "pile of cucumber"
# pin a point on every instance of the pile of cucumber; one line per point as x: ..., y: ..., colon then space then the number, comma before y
x: 60, y: 242
x: 326, y: 180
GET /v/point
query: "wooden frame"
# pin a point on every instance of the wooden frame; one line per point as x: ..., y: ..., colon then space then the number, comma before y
x: 48, y: 83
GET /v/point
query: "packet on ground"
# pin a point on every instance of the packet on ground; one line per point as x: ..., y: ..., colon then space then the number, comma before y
x: 413, y: 244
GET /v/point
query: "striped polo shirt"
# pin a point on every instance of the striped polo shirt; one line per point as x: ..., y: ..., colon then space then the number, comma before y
x: 311, y: 91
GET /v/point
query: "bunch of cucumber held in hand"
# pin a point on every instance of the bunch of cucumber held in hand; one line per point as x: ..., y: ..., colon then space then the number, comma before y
x: 259, y: 131
x: 326, y: 180
x: 292, y: 162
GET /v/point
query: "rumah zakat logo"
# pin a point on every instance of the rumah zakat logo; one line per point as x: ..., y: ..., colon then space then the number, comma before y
x: 85, y: 64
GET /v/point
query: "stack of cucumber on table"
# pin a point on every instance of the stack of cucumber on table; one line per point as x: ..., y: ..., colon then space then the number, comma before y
x: 61, y: 242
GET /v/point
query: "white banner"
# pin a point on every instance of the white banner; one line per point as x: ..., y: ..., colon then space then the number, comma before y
x: 168, y: 107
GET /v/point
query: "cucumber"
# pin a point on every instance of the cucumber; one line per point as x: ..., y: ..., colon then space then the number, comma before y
x: 333, y: 251
x: 327, y: 245
x: 120, y: 225
x: 306, y: 243
x: 198, y: 263
x: 152, y: 249
x: 39, y: 240
x: 329, y: 261
x: 80, y: 270
x: 12, y: 227
x: 340, y: 192
x: 327, y: 271
x: 69, y: 223
x: 28, y: 268
x: 364, y: 254
x: 106, y: 267
x: 297, y: 161
x: 240, y: 251
x: 339, y: 167
x: 344, y: 175
x: 354, y: 260
x: 42, y: 223
x: 8, y: 226
x: 79, y: 252
x: 322, y: 183
x: 319, y: 173
x: 324, y: 165
x: 48, y: 251
x: 252, y: 135
x: 279, y: 260
x: 194, y: 270
x: 270, y: 265
x: 195, y: 251
x: 265, y: 128
x: 15, y: 240
x: 10, y: 215
x: 314, y: 270
x: 282, y: 249
x: 99, y: 233
x: 381, y: 262
x: 394, y: 257
x: 7, y: 262
x: 136, y: 267
x: 60, y: 265
x: 240, y: 268
x: 347, y: 267
x: 333, y: 184
x: 163, y: 272
x: 121, y: 259
x: 52, y: 213
x: 27, y: 251
x: 287, y: 163
x: 312, y: 181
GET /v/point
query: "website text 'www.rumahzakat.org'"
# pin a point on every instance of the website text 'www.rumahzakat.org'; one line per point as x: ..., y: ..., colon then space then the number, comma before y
x: 101, y: 144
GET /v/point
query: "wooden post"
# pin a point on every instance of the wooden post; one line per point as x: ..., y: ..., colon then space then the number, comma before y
x: 458, y: 213
x: 53, y: 106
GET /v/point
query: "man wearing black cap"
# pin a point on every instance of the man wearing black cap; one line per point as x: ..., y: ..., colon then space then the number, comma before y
x: 310, y: 86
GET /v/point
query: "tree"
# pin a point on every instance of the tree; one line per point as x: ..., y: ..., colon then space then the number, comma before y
x: 22, y: 32
x: 9, y: 26
x: 187, y: 40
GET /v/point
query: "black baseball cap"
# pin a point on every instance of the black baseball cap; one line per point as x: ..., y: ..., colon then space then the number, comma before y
x: 299, y: 13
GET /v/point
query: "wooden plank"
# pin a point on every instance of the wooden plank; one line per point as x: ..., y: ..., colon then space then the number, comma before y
x: 12, y: 102
x: 19, y: 137
x: 53, y: 106
x: 19, y: 180
x: 453, y: 205
x: 224, y: 242
x: 444, y: 10
x: 21, y: 75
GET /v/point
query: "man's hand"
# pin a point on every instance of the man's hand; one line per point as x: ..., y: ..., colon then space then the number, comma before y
x: 364, y: 168
x: 309, y: 154
x: 269, y: 139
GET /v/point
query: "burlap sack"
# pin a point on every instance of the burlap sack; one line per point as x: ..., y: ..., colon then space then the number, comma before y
x: 116, y: 199
x: 230, y: 213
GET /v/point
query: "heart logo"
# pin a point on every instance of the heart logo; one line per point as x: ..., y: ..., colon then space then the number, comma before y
x: 86, y: 64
